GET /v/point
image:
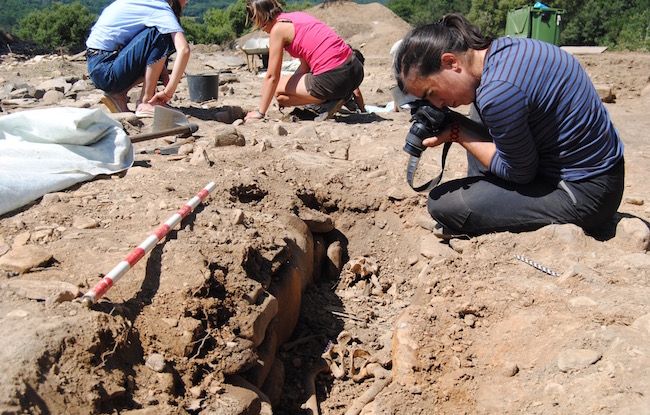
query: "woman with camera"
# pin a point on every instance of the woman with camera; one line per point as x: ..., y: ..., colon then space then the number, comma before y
x: 329, y: 70
x: 130, y: 44
x: 549, y: 152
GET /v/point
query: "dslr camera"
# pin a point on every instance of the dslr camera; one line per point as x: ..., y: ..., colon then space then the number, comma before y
x: 427, y: 121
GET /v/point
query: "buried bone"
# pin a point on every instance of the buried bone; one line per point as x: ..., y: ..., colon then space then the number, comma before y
x: 362, y: 272
x: 344, y: 358
x: 311, y: 404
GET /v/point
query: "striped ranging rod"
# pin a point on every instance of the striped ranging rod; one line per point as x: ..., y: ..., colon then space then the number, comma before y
x: 152, y: 240
x: 536, y: 265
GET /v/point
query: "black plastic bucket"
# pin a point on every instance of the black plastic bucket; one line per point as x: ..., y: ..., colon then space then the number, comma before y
x: 203, y: 87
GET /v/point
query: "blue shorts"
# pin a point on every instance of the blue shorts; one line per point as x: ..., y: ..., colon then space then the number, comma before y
x: 117, y: 71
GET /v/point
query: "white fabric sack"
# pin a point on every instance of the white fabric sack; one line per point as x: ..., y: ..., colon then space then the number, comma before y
x: 47, y: 150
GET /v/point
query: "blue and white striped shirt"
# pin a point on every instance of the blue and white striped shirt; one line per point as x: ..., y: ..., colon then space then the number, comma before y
x: 544, y: 114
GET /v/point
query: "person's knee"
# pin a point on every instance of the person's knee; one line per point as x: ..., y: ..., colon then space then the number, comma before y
x: 445, y: 209
x: 283, y: 100
x: 437, y: 211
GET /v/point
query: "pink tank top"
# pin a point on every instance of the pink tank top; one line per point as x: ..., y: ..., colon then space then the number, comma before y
x: 315, y: 42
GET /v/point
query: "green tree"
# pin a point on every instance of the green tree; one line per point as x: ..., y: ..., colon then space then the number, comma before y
x: 236, y: 15
x: 635, y: 33
x: 418, y: 12
x: 218, y: 27
x: 614, y: 23
x: 60, y: 26
x: 297, y: 6
x: 195, y: 31
x: 482, y: 14
x: 619, y: 24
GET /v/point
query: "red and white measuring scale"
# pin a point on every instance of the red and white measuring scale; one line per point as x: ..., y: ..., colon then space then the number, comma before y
x: 152, y: 240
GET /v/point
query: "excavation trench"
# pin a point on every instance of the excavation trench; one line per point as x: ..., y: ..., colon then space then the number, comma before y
x: 217, y: 319
x: 289, y: 328
x: 240, y: 310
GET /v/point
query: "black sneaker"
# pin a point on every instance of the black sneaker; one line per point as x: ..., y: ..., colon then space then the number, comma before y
x: 317, y: 108
x: 445, y: 234
x: 351, y: 104
x: 329, y: 108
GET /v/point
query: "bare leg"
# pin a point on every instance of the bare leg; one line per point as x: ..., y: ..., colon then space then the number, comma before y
x: 116, y: 101
x: 358, y: 98
x: 121, y: 99
x: 291, y: 91
x: 149, y: 83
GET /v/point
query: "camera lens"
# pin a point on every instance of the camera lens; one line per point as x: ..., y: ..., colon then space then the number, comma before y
x: 414, y: 138
x: 428, y: 121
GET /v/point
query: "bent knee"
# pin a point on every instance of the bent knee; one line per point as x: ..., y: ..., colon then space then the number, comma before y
x: 283, y: 100
x: 447, y: 210
x: 438, y: 210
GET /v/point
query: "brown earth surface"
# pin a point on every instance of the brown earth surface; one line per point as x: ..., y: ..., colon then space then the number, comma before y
x: 312, y: 236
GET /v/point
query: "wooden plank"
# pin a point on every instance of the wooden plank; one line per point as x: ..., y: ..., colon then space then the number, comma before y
x: 584, y: 50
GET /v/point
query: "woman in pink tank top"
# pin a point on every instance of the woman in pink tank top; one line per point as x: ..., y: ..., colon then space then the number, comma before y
x: 329, y: 70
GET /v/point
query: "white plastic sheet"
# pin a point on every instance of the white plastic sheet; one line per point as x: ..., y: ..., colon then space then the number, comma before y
x: 47, y: 150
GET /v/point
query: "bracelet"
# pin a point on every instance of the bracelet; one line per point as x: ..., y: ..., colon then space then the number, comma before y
x: 260, y: 114
x: 163, y: 91
x: 455, y: 133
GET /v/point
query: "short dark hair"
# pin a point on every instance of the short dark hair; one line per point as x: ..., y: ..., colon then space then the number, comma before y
x: 176, y: 8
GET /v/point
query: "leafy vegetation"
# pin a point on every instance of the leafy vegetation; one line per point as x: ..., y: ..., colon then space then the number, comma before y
x: 62, y: 25
x: 12, y: 11
x: 216, y: 25
x: 618, y: 24
x: 418, y: 12
x: 68, y: 25
x: 223, y: 26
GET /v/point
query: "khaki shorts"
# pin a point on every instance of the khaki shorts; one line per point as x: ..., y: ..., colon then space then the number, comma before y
x: 336, y: 83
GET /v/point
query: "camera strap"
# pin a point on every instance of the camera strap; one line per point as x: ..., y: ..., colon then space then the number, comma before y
x: 413, y: 165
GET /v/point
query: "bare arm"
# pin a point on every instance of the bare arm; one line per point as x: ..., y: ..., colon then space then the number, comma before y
x: 358, y: 98
x: 180, y: 63
x: 277, y: 38
x: 303, y: 68
x: 484, y: 151
x: 471, y: 136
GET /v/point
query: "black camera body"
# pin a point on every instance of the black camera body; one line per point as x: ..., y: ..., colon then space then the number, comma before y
x: 428, y: 120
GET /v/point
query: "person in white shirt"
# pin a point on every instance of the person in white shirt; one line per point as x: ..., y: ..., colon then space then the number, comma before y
x: 130, y: 44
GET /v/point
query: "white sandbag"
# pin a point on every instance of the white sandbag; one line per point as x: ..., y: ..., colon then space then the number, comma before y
x: 47, y: 150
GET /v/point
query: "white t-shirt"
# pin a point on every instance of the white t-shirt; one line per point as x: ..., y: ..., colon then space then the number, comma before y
x: 123, y: 19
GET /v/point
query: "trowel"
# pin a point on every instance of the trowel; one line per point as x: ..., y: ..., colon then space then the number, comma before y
x: 166, y: 122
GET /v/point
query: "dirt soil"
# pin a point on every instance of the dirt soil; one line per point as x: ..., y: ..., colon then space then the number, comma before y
x: 313, y: 237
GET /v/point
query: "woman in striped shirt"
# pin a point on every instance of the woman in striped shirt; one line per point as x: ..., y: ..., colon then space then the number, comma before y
x: 549, y: 152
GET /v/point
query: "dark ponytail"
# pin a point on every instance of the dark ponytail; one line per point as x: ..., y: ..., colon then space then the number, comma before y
x: 423, y: 46
x: 176, y: 8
